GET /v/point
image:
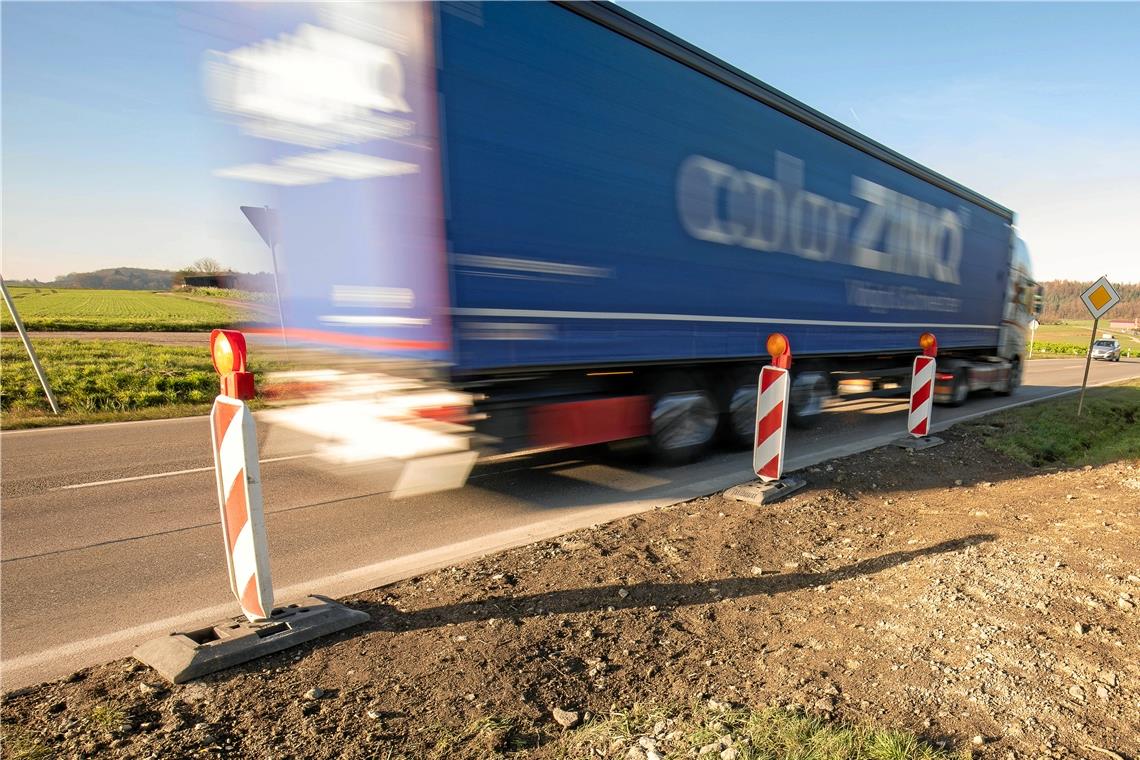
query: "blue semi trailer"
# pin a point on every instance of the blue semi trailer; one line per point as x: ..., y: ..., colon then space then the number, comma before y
x: 593, y: 225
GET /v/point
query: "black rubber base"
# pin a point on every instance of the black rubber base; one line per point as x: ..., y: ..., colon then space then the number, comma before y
x: 918, y: 444
x: 759, y: 492
x: 182, y: 657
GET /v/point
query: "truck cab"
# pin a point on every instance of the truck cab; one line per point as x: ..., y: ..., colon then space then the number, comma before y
x: 1022, y: 306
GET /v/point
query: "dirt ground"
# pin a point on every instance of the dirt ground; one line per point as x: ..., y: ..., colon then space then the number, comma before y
x: 985, y: 606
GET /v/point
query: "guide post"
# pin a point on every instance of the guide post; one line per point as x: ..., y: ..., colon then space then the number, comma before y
x: 28, y: 346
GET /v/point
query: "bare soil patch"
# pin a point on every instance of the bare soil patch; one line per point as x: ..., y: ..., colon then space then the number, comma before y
x: 954, y: 593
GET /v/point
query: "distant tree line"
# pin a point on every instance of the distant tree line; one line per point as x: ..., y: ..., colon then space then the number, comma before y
x: 133, y: 278
x: 1063, y: 301
x: 119, y: 278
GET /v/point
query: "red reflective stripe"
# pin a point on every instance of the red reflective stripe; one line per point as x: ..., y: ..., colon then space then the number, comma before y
x: 769, y: 423
x: 223, y: 416
x: 249, y: 598
x: 767, y: 377
x: 922, y: 427
x: 920, y: 396
x: 772, y: 469
x: 236, y: 515
x: 920, y: 365
x: 352, y: 341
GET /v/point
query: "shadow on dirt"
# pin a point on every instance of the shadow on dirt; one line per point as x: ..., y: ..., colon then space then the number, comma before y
x: 662, y: 595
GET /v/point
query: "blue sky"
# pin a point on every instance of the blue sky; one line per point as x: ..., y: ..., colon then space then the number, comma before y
x: 1036, y: 105
x: 108, y: 143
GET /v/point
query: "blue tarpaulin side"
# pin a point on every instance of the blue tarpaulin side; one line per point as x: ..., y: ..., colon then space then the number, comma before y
x: 608, y: 204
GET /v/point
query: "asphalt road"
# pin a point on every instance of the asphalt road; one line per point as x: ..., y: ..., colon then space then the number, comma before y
x: 110, y: 533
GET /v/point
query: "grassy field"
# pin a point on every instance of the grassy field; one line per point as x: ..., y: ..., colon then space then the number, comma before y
x: 128, y: 310
x: 1050, y: 434
x: 1071, y: 337
x: 102, y: 381
x: 230, y: 294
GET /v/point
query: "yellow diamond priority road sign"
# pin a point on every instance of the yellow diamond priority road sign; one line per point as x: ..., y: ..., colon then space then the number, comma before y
x: 1100, y: 297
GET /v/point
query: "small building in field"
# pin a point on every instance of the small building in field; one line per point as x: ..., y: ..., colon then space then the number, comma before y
x: 1123, y: 325
x: 227, y: 280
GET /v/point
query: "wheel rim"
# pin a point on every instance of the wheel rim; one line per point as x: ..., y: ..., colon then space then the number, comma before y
x: 808, y: 394
x: 742, y: 411
x: 961, y: 390
x: 681, y: 420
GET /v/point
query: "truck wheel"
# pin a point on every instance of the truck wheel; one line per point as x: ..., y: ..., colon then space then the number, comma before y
x: 739, y: 422
x: 808, y: 392
x: 682, y: 420
x: 960, y: 389
x: 1014, y: 381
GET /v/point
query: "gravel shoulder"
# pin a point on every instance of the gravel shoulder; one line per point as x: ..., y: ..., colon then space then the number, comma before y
x: 983, y: 605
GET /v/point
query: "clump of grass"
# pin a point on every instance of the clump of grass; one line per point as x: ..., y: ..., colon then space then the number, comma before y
x: 106, y: 718
x: 1051, y: 434
x: 18, y: 744
x: 487, y: 737
x: 766, y: 734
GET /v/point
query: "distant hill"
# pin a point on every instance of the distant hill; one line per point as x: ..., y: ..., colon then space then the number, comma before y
x: 119, y: 278
x: 133, y: 278
x: 1063, y: 301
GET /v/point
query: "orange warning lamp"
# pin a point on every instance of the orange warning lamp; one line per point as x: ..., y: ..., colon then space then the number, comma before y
x: 780, y: 350
x: 228, y: 352
x: 929, y: 344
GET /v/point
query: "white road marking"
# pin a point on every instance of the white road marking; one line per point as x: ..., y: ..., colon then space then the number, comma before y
x: 169, y: 474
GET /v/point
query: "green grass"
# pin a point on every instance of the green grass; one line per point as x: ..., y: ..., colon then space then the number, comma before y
x: 766, y: 734
x: 1051, y: 434
x: 127, y: 310
x: 103, y: 381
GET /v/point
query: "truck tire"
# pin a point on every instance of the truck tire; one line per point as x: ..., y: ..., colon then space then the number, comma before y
x: 960, y: 388
x: 1014, y: 381
x: 682, y: 419
x: 808, y: 392
x: 739, y: 423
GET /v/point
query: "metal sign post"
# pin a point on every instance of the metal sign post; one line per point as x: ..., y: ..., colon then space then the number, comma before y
x: 1033, y: 325
x: 1099, y: 298
x: 28, y: 346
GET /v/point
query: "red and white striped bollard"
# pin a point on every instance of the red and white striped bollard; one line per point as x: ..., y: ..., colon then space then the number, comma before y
x: 771, y: 430
x: 922, y: 376
x: 921, y: 396
x: 771, y: 424
x: 243, y: 513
